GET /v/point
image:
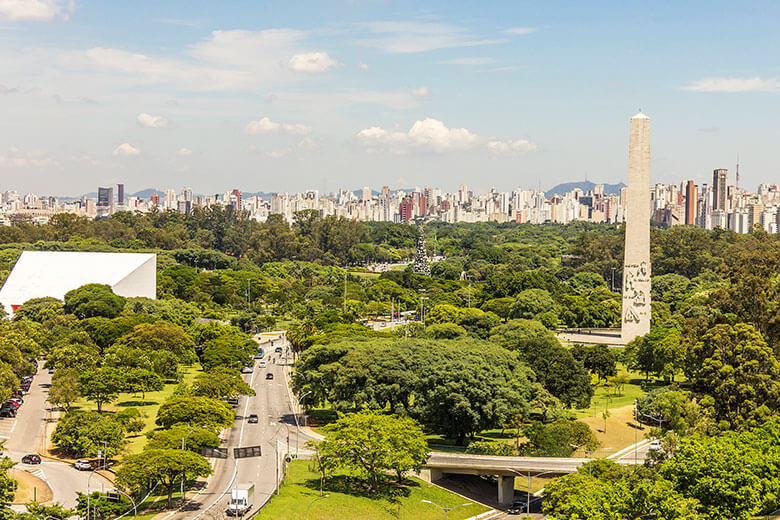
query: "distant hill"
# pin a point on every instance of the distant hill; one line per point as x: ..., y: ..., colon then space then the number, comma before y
x: 144, y: 194
x: 584, y: 186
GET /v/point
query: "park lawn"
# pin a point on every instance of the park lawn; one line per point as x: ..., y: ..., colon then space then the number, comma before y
x: 365, y: 274
x: 151, y: 404
x: 294, y: 498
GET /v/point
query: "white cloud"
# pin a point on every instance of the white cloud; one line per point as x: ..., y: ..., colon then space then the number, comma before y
x: 518, y: 147
x: 426, y: 135
x: 183, y: 151
x: 149, y: 121
x: 468, y: 61
x: 421, y: 92
x: 364, y: 66
x: 432, y: 135
x: 410, y: 37
x: 278, y: 154
x: 266, y: 126
x: 34, y: 10
x: 312, y: 62
x: 126, y: 150
x: 734, y: 85
x: 521, y: 31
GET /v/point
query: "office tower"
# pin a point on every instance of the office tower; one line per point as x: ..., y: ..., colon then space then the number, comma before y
x: 186, y: 194
x: 365, y: 194
x: 155, y: 199
x: 406, y: 209
x: 105, y: 201
x: 636, y: 264
x: 720, y: 180
x: 690, y: 204
x: 120, y: 194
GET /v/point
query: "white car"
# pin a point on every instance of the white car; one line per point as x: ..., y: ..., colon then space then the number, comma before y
x: 82, y: 465
x: 655, y: 445
x: 262, y: 364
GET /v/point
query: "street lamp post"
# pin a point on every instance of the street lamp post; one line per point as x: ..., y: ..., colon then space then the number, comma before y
x: 184, y: 438
x: 312, y: 502
x: 446, y: 509
x: 528, y: 495
x: 297, y: 422
x: 135, y: 508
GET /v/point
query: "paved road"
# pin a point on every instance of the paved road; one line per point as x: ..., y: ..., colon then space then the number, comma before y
x: 276, y: 425
x: 23, y: 436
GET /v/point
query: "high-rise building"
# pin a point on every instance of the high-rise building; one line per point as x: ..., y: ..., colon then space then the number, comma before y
x: 120, y: 194
x: 720, y: 180
x: 406, y: 209
x: 690, y: 204
x: 636, y: 267
x: 105, y: 201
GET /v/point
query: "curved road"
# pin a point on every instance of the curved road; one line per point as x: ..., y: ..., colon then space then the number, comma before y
x: 23, y: 435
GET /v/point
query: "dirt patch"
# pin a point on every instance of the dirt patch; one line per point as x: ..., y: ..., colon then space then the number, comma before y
x: 621, y: 431
x: 29, y: 488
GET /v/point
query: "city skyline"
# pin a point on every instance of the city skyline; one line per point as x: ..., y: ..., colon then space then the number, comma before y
x: 347, y: 94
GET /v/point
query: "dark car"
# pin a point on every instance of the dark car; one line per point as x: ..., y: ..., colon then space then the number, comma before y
x: 269, y: 375
x: 278, y: 349
x: 7, y: 412
x: 516, y: 508
x: 252, y: 418
x: 31, y: 459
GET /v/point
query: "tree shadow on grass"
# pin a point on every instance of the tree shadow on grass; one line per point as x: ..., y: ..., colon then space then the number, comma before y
x: 358, y: 487
x: 137, y: 403
x: 497, y: 435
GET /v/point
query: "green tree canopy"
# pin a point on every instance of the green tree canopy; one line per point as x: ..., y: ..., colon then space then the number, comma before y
x: 93, y: 300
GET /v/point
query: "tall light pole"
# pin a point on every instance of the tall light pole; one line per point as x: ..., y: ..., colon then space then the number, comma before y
x: 312, y: 502
x: 446, y: 509
x: 528, y: 496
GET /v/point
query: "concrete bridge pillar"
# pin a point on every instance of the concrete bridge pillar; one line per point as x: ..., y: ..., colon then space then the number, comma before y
x: 506, y: 490
x: 431, y: 474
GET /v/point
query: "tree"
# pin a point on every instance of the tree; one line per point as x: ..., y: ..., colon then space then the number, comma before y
x: 195, y: 438
x: 619, y: 381
x: 65, y: 388
x: 141, y: 380
x: 530, y: 303
x: 598, y: 360
x: 166, y: 466
x: 93, y: 300
x: 196, y: 411
x: 220, y: 384
x: 38, y: 309
x: 554, y: 366
x: 559, y: 438
x: 7, y: 484
x: 231, y: 351
x: 446, y: 331
x: 658, y: 352
x: 55, y: 510
x: 81, y: 434
x: 371, y: 442
x: 102, y: 385
x: 741, y: 373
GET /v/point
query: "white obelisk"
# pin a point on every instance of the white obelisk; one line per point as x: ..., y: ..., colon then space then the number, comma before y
x: 636, y: 265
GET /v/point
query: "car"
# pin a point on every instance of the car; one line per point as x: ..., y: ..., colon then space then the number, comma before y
x: 247, y: 369
x: 278, y: 350
x: 269, y: 375
x: 655, y: 445
x: 262, y: 364
x: 83, y: 465
x: 233, y: 402
x: 51, y: 370
x: 258, y: 356
x: 252, y: 418
x: 7, y: 412
x: 31, y: 459
x: 516, y: 508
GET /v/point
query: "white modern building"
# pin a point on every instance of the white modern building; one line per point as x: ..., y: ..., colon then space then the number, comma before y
x: 53, y: 273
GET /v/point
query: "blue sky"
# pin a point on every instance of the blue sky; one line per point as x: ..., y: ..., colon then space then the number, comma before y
x: 285, y: 96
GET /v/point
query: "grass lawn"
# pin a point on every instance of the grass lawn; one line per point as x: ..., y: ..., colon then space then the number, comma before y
x: 151, y: 403
x: 407, y: 503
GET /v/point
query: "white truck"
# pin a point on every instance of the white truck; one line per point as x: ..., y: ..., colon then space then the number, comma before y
x: 242, y: 498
